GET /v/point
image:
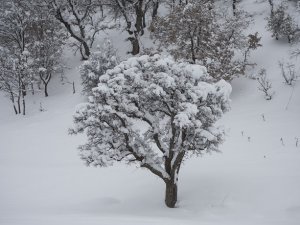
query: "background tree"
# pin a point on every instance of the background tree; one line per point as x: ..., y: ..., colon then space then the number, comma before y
x: 280, y: 23
x: 82, y: 21
x: 134, y: 14
x: 154, y: 112
x: 47, y: 43
x: 15, y: 20
x: 100, y: 61
x: 14, y: 78
x: 9, y: 81
x: 193, y: 32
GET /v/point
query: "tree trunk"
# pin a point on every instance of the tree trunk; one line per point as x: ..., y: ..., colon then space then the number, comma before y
x: 155, y: 9
x: 171, y: 194
x: 15, y: 109
x: 12, y: 98
x: 73, y: 85
x: 23, y: 101
x: 234, y: 7
x: 19, y: 104
x: 272, y: 7
x: 86, y: 51
x: 32, y: 89
x: 135, y: 45
x: 46, y: 90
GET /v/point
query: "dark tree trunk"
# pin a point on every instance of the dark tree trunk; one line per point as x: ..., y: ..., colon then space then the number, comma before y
x: 73, y: 85
x: 32, y: 88
x: 272, y: 7
x: 23, y: 102
x: 15, y: 109
x: 12, y: 98
x: 155, y: 9
x: 135, y: 45
x: 140, y: 22
x: 171, y: 194
x: 193, y: 50
x: 234, y: 7
x: 19, y: 104
x: 46, y: 90
x: 85, y: 54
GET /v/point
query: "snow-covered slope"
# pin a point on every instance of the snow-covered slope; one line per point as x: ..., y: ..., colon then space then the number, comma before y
x: 255, y: 180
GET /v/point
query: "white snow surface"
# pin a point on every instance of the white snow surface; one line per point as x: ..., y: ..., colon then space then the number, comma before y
x: 255, y: 180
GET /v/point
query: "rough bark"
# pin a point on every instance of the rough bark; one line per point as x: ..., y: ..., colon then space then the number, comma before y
x: 135, y: 45
x: 171, y: 193
x: 46, y: 90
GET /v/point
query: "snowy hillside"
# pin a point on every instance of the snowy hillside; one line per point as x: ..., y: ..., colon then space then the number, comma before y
x: 254, y: 180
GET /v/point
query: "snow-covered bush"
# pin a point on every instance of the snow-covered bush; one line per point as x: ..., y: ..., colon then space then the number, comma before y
x: 154, y: 112
x: 100, y: 61
x: 280, y: 23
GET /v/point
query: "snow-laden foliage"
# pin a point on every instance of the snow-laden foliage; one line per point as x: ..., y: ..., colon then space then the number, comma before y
x: 47, y: 40
x: 14, y: 77
x: 100, y: 61
x: 194, y: 31
x: 31, y: 45
x: 281, y: 24
x: 16, y: 71
x: 152, y: 111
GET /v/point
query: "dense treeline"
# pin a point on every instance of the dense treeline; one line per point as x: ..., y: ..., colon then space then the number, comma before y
x: 34, y: 32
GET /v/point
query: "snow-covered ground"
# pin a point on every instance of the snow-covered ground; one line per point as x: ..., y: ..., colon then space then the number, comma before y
x: 255, y: 180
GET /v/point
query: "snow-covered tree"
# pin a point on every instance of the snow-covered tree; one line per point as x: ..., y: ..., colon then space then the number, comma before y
x: 82, y: 21
x: 280, y: 23
x: 153, y: 112
x: 14, y: 78
x: 100, y: 61
x: 134, y: 15
x: 15, y: 20
x: 47, y: 40
x: 191, y: 31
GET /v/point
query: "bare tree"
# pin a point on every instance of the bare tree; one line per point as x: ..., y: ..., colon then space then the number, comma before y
x: 264, y: 84
x: 81, y: 21
x: 288, y: 72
